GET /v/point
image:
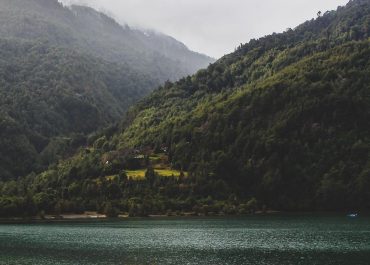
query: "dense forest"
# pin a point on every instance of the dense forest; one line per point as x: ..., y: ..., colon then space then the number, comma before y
x: 66, y: 72
x: 283, y: 123
x: 50, y: 96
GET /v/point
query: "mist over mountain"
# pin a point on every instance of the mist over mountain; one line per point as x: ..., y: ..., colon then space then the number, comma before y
x: 87, y: 30
x: 212, y: 27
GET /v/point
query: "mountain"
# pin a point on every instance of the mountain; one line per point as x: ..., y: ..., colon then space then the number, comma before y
x: 66, y: 72
x: 49, y: 92
x: 86, y: 30
x: 281, y: 124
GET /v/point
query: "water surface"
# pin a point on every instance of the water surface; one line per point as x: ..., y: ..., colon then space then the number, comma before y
x: 272, y: 240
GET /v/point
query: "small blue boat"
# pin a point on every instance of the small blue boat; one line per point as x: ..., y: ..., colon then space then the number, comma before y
x: 352, y: 215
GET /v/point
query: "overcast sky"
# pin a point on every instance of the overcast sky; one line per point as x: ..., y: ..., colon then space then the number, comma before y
x: 213, y: 27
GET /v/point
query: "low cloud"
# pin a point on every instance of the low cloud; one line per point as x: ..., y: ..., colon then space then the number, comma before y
x: 213, y: 27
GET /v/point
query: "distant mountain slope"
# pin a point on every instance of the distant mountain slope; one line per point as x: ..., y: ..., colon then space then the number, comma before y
x: 72, y: 70
x: 282, y: 123
x: 87, y: 30
x: 48, y: 91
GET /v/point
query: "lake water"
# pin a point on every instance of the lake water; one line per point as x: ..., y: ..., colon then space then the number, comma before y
x: 280, y: 240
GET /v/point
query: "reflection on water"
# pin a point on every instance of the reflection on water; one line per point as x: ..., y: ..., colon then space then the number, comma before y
x: 250, y: 240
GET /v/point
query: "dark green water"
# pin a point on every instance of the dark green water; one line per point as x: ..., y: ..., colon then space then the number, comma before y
x: 254, y: 240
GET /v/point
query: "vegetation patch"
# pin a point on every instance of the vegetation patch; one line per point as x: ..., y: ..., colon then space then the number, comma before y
x: 169, y: 173
x: 140, y: 174
x: 136, y: 174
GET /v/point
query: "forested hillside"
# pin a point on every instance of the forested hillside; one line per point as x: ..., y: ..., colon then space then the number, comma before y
x: 66, y: 72
x: 48, y: 91
x: 282, y: 124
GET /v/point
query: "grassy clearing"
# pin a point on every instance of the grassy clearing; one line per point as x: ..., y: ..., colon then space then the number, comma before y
x: 136, y: 174
x: 169, y: 173
x: 140, y: 174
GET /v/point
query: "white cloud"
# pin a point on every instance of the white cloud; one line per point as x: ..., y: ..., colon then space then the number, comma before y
x: 214, y: 27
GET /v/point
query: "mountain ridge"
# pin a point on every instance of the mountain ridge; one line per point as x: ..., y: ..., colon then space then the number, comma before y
x: 280, y: 124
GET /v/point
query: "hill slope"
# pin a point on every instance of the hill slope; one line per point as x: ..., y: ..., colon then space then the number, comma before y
x: 48, y: 92
x: 282, y: 123
x: 68, y: 71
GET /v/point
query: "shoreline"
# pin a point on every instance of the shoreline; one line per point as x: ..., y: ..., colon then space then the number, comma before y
x: 101, y: 217
x: 96, y: 216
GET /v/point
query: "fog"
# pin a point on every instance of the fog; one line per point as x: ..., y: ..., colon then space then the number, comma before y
x: 213, y: 27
